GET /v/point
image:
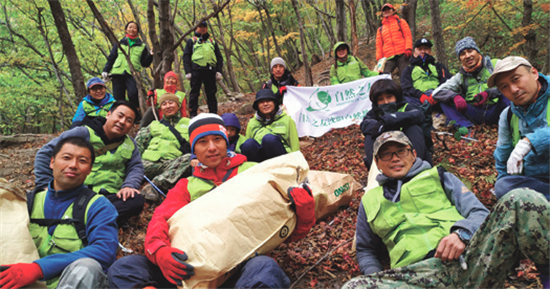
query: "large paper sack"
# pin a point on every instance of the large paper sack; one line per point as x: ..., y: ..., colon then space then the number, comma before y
x: 331, y: 191
x: 16, y: 244
x: 248, y: 215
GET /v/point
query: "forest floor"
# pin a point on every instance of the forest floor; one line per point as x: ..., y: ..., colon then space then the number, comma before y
x: 325, y: 258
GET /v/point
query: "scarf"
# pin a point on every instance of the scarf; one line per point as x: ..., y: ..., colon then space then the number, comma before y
x: 476, y: 67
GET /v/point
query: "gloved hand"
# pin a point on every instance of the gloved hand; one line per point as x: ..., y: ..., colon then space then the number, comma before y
x: 151, y: 94
x: 282, y: 90
x: 20, y: 275
x: 515, y: 161
x: 377, y: 129
x: 218, y: 76
x: 461, y: 105
x: 482, y: 98
x: 188, y: 76
x: 303, y: 203
x: 105, y: 75
x: 429, y: 99
x: 171, y: 263
x: 408, y: 53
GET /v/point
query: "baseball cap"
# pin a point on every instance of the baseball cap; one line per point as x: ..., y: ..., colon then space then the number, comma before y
x: 423, y: 41
x: 387, y: 5
x: 507, y: 64
x: 391, y: 136
x: 94, y: 81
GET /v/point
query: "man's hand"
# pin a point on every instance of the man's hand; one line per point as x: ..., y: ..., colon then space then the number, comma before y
x: 460, y: 103
x: 218, y: 76
x: 515, y: 161
x: 171, y: 263
x: 450, y: 248
x: 482, y: 98
x: 188, y: 76
x: 427, y: 98
x: 282, y: 90
x: 126, y: 193
x: 20, y: 275
x: 408, y: 53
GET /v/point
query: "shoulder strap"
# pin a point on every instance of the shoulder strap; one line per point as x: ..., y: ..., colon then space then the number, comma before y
x: 101, y: 151
x: 381, y: 36
x: 489, y: 64
x: 30, y: 199
x: 185, y: 147
x: 440, y: 171
x: 401, y: 29
x: 79, y: 211
x: 464, y: 84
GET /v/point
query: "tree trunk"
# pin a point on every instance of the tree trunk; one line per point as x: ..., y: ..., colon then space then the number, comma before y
x: 530, y: 47
x: 229, y: 63
x: 157, y: 51
x: 270, y: 26
x: 438, y: 32
x: 307, y: 69
x: 66, y: 41
x: 327, y: 28
x: 166, y: 37
x: 341, y: 21
x: 371, y: 24
x: 266, y: 35
x: 409, y: 14
x: 99, y: 17
x: 352, y: 17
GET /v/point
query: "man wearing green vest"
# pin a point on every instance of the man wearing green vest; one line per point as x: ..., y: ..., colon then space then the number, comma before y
x: 523, y: 146
x: 203, y: 64
x: 436, y: 231
x: 466, y: 97
x: 117, y: 172
x: 71, y: 255
x: 419, y: 79
x: 164, y: 266
x: 164, y: 148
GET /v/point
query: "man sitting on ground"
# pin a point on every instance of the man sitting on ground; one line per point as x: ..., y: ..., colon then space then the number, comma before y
x: 466, y: 98
x: 73, y: 228
x: 117, y: 172
x: 434, y: 230
x: 164, y: 146
x: 165, y: 266
x: 523, y: 145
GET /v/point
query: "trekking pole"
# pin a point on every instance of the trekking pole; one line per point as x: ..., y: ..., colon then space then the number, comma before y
x: 156, y: 188
x: 462, y: 137
x: 153, y: 108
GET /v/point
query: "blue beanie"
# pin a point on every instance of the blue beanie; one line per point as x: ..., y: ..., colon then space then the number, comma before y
x: 465, y: 43
x: 231, y: 119
x: 94, y: 81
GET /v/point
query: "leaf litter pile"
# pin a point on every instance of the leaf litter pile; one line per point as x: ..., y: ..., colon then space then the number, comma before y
x: 326, y: 257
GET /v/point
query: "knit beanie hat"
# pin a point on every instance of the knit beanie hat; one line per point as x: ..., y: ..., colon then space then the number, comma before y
x: 169, y: 96
x: 231, y: 119
x: 465, y: 43
x: 277, y: 60
x: 206, y: 124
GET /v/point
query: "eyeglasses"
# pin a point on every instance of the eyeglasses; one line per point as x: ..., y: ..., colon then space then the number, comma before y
x: 389, y: 155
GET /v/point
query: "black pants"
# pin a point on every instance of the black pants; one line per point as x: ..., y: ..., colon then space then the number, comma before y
x: 125, y: 83
x: 208, y: 77
x: 400, y: 62
x: 415, y: 135
x: 126, y: 209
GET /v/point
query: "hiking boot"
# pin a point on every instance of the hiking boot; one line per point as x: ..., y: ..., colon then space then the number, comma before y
x: 150, y: 194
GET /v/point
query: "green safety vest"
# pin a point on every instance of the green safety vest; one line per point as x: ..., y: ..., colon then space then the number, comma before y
x: 179, y: 94
x: 412, y: 227
x: 423, y: 80
x: 474, y: 86
x: 514, y: 123
x: 198, y: 187
x: 109, y: 170
x: 280, y: 127
x: 92, y: 110
x: 164, y: 144
x: 203, y: 53
x: 240, y: 141
x: 121, y: 65
x: 349, y: 71
x: 64, y: 239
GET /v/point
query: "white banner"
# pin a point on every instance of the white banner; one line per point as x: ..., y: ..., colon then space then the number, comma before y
x: 317, y: 110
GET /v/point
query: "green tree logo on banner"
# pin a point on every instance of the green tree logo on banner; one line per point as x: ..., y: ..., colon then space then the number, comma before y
x: 319, y: 101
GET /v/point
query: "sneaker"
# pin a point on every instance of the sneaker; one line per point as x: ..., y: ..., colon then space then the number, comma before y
x: 150, y: 194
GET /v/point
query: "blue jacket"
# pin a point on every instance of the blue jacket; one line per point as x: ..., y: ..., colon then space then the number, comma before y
x: 534, y: 126
x: 43, y: 172
x: 101, y: 232
x: 80, y: 113
x: 467, y: 204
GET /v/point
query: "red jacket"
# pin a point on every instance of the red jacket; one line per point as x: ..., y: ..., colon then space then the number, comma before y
x: 393, y: 40
x: 178, y: 197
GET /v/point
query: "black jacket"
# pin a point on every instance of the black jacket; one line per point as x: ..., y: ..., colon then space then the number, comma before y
x: 286, y: 80
x: 406, y: 79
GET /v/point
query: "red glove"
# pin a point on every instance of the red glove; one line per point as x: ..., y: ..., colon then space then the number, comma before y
x: 461, y: 105
x: 429, y: 99
x: 408, y: 53
x: 150, y: 93
x: 482, y: 98
x: 282, y: 90
x: 20, y: 275
x: 170, y: 261
x: 303, y: 204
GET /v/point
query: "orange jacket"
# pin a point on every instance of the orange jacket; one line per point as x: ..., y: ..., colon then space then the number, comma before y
x: 390, y: 40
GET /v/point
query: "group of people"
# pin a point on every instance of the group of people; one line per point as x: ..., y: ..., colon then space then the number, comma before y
x: 435, y: 230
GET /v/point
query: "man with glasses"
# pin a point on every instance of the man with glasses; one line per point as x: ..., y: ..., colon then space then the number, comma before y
x: 427, y: 218
x: 97, y: 103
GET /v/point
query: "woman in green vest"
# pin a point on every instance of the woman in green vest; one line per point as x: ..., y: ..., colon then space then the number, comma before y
x: 171, y: 85
x: 119, y: 70
x: 347, y: 67
x: 390, y: 111
x: 98, y: 102
x: 271, y: 131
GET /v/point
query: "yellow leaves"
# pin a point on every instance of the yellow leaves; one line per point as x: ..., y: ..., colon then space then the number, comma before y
x: 524, y: 30
x: 250, y: 16
x: 288, y: 36
x: 516, y: 45
x: 245, y: 35
x: 545, y: 7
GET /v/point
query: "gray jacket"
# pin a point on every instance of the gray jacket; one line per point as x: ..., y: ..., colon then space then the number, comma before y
x: 369, y: 244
